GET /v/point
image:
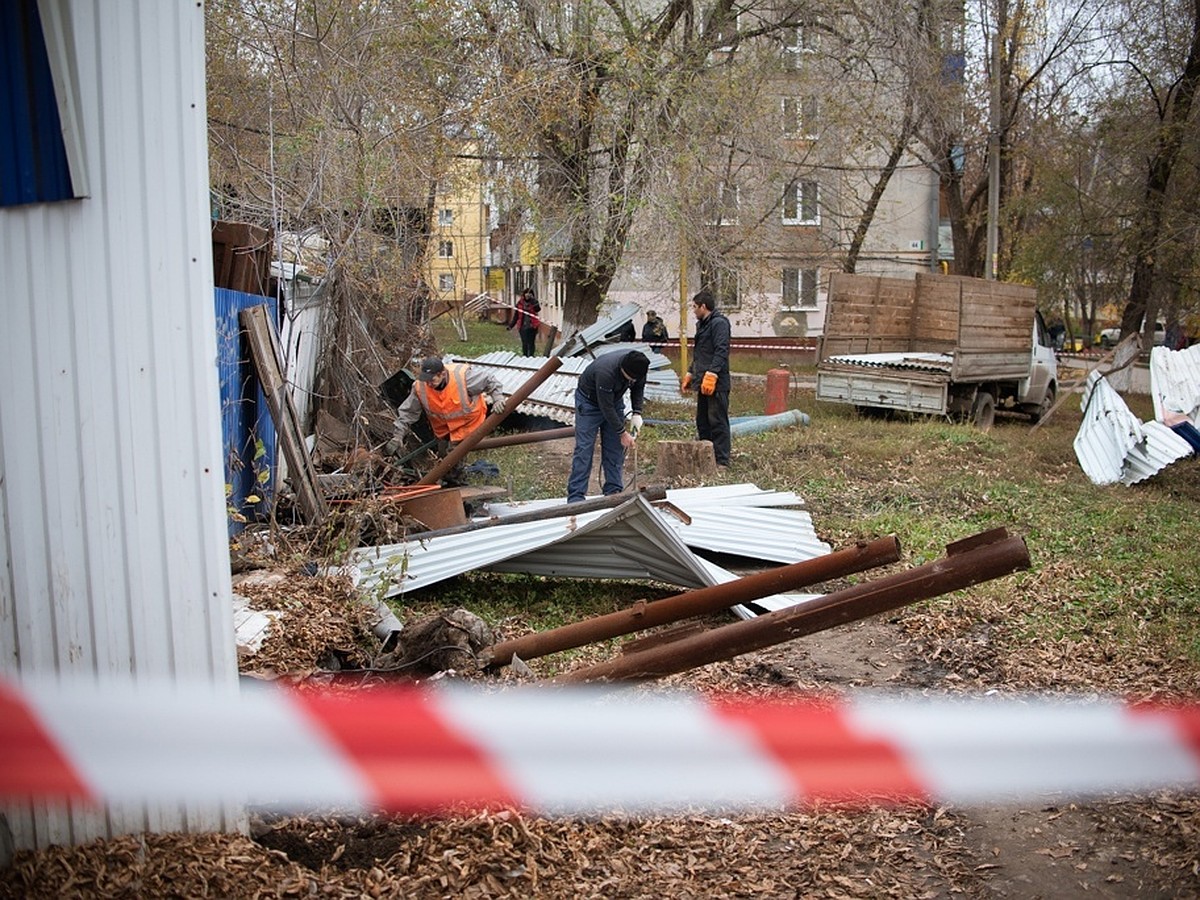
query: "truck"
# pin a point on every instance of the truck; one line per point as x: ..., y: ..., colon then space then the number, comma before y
x: 938, y: 345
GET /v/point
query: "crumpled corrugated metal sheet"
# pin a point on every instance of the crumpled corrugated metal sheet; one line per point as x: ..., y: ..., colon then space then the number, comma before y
x: 555, y: 397
x: 738, y: 520
x: 1115, y: 446
x: 923, y: 362
x: 632, y: 541
x: 1175, y: 381
x: 594, y: 334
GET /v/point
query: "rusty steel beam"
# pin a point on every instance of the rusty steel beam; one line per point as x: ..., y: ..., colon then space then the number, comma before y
x: 488, y: 425
x: 526, y: 437
x: 643, y: 615
x: 652, y: 493
x: 973, y: 560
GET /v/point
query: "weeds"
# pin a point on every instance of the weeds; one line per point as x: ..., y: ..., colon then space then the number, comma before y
x: 1113, y: 567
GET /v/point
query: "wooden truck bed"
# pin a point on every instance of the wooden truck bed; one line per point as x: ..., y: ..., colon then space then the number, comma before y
x: 986, y: 327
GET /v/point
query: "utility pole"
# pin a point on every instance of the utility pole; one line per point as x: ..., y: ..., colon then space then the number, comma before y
x: 683, y: 306
x: 993, y: 223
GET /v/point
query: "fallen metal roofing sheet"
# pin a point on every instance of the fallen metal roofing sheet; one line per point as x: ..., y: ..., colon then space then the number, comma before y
x: 594, y: 334
x: 631, y: 541
x: 396, y: 569
x: 1175, y: 381
x: 1113, y: 445
x: 555, y: 397
x: 734, y: 519
x: 719, y: 495
x: 776, y: 535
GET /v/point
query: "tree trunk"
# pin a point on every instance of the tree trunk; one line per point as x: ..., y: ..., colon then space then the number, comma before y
x: 1170, y: 137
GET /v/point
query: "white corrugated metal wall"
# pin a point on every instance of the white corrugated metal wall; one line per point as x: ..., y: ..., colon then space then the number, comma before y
x: 114, y: 558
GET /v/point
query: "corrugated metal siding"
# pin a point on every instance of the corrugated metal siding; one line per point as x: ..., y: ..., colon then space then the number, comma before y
x: 115, y: 557
x: 302, y: 335
x: 33, y: 157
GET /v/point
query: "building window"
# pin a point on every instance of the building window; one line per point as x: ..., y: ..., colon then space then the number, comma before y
x: 797, y: 41
x: 800, y: 117
x: 723, y: 283
x: 446, y: 283
x: 724, y: 209
x: 446, y: 249
x: 445, y: 217
x: 800, y: 288
x: 800, y: 206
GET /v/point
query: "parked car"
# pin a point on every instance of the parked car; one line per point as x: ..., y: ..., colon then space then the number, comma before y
x: 1109, y: 336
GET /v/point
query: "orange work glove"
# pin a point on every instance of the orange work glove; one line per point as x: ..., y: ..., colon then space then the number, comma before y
x: 686, y: 383
x: 708, y: 384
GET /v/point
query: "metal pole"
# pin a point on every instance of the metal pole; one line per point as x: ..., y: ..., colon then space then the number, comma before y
x: 993, y: 223
x: 526, y: 437
x: 683, y: 308
x: 971, y: 561
x: 434, y: 475
x: 700, y: 602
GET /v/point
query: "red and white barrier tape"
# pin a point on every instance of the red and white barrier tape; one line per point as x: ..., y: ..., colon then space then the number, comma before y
x: 566, y: 750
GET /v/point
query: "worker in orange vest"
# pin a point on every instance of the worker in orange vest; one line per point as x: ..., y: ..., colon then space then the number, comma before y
x: 452, y: 398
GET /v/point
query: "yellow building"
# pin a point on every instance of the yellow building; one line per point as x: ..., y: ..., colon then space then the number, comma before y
x: 459, y: 251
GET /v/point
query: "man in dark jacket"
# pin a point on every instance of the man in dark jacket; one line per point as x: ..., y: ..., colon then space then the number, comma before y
x: 708, y: 374
x: 654, y: 332
x: 600, y: 409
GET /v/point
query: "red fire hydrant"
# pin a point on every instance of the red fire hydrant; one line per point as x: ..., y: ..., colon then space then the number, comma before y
x: 777, y: 391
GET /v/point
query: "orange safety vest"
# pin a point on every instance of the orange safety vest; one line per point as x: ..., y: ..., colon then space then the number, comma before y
x: 451, y: 411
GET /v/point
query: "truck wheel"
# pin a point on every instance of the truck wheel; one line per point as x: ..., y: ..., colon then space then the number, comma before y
x: 983, y: 412
x: 1043, y: 408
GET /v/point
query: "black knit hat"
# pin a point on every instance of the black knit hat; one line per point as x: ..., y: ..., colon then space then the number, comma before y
x: 635, y: 364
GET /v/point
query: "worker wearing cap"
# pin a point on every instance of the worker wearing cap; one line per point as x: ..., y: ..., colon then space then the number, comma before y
x: 600, y: 409
x: 452, y: 399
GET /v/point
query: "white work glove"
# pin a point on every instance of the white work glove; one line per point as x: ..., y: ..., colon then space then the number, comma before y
x: 497, y: 404
x: 635, y: 424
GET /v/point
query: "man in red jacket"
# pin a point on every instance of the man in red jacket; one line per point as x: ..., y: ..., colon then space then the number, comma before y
x: 527, y: 321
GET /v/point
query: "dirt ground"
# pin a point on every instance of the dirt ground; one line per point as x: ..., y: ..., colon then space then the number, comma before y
x: 1133, y: 848
x: 1144, y: 847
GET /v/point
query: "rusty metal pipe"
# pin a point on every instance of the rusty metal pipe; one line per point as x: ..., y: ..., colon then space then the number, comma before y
x: 643, y: 615
x: 980, y: 558
x: 526, y: 437
x: 488, y: 425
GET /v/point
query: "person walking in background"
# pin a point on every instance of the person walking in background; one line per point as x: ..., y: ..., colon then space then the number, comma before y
x: 708, y: 375
x: 600, y: 409
x: 654, y: 332
x: 527, y: 321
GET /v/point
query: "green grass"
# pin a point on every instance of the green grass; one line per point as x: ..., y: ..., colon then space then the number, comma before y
x: 1114, y: 569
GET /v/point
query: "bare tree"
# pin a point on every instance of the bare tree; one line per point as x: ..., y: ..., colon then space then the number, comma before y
x: 1162, y: 73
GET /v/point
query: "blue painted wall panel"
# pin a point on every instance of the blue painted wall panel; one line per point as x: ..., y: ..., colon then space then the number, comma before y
x: 33, y: 158
x: 245, y: 417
